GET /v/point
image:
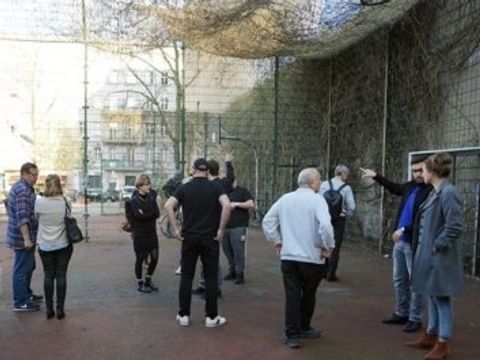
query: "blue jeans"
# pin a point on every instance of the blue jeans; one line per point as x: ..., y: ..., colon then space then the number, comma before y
x: 22, y: 271
x: 440, y: 317
x: 407, y: 303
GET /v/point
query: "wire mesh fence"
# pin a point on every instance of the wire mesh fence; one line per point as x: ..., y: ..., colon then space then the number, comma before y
x: 85, y: 98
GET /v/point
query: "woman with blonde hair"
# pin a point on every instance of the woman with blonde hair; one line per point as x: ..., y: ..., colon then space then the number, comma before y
x: 53, y: 246
x: 437, y: 268
x: 142, y: 213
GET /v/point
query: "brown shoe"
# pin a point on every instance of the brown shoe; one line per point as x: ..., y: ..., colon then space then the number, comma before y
x: 440, y: 351
x: 425, y: 341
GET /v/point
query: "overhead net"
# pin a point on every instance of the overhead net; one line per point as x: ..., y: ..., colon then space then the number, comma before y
x: 257, y: 29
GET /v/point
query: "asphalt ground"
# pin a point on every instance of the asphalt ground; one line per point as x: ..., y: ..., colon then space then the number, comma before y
x: 108, y: 319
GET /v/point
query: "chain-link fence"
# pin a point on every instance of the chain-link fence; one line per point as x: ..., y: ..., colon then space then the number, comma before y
x: 96, y: 100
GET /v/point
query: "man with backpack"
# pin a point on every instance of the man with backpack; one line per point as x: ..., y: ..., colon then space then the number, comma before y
x: 341, y: 204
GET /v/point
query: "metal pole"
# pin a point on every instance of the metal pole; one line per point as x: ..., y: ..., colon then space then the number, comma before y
x: 154, y: 150
x: 183, y: 137
x: 101, y: 183
x: 275, y: 131
x: 329, y: 117
x: 384, y: 140
x: 85, y: 119
x: 255, y: 154
x: 476, y: 236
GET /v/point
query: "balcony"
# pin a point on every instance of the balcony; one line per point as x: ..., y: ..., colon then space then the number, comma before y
x: 123, y: 140
x: 123, y: 165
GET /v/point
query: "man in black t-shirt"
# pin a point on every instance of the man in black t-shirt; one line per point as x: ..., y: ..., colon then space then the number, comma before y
x: 227, y: 184
x: 205, y: 209
x: 233, y: 243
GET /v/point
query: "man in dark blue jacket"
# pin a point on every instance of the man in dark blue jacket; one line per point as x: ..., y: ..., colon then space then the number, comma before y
x: 408, y: 308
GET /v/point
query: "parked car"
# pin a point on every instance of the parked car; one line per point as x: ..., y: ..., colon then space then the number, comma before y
x: 110, y: 195
x: 72, y: 194
x: 127, y: 192
x: 94, y: 194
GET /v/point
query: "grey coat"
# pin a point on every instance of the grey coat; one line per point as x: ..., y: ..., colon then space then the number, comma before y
x: 438, y: 266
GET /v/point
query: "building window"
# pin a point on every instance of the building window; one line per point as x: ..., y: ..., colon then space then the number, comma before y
x: 130, y: 180
x: 98, y: 154
x: 122, y: 102
x: 163, y: 130
x: 164, y: 78
x: 131, y: 155
x: 164, y: 103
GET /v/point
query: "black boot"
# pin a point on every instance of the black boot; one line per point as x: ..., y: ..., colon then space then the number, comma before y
x: 60, y: 312
x: 239, y: 279
x: 142, y: 287
x: 50, y: 312
x: 229, y: 276
x: 149, y: 284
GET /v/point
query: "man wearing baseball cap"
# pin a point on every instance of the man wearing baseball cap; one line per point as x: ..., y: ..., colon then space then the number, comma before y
x: 206, y: 210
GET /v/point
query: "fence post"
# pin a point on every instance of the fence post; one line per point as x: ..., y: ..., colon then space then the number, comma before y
x: 384, y: 139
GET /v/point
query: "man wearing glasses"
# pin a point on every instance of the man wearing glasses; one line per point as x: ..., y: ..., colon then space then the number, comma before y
x: 21, y: 235
x: 408, y: 308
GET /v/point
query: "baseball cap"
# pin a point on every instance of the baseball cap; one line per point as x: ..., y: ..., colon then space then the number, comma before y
x: 200, y: 164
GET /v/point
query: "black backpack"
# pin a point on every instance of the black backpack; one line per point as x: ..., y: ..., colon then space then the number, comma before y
x: 334, y: 200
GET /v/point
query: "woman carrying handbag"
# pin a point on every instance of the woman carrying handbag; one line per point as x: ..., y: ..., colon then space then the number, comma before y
x: 54, y: 249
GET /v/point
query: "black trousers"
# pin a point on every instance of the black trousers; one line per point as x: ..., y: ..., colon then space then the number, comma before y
x: 301, y: 281
x: 332, y: 263
x: 55, y: 265
x: 208, y: 250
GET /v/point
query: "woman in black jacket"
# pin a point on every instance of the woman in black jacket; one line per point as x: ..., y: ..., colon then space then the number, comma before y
x: 142, y: 213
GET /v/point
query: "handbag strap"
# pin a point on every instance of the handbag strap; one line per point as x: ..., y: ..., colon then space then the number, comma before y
x: 67, y: 208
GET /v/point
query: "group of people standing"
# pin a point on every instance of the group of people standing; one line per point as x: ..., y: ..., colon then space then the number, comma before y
x: 427, y: 259
x: 306, y: 230
x: 427, y: 262
x: 213, y: 208
x: 38, y: 222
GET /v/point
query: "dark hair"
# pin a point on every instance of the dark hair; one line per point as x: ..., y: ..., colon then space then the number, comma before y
x: 418, y: 158
x: 25, y: 169
x: 142, y: 180
x: 213, y: 167
x: 439, y: 164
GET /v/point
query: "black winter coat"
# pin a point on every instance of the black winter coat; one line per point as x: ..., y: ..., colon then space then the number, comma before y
x: 403, y: 190
x: 142, y: 212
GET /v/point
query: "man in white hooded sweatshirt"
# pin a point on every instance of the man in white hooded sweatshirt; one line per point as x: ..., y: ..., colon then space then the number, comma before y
x: 299, y: 226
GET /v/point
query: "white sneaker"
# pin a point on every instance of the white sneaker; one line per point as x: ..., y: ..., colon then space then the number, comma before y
x: 217, y: 321
x: 183, y: 320
x: 178, y: 271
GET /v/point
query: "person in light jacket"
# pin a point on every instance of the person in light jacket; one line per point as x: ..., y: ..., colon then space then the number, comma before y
x: 437, y: 268
x: 53, y: 246
x: 299, y: 226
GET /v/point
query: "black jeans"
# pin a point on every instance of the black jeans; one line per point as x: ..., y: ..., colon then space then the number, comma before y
x: 332, y: 263
x: 208, y: 250
x: 141, y: 256
x: 55, y: 265
x: 301, y: 281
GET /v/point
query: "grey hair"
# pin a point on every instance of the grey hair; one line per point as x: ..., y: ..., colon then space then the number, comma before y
x: 306, y: 176
x: 341, y: 169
